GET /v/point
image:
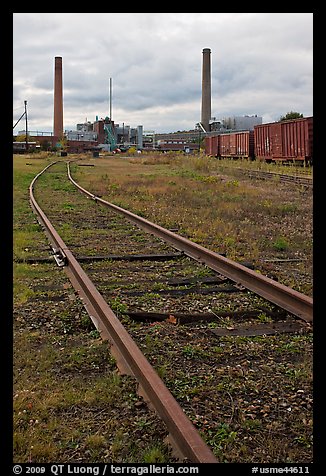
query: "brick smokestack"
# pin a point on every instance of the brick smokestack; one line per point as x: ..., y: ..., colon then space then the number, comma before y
x: 58, y: 100
x: 206, y: 89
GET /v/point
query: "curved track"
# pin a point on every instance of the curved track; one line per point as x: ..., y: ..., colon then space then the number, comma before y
x: 183, y: 435
x: 283, y: 296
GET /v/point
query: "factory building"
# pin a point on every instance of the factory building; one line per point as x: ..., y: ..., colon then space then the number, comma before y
x: 105, y: 135
x: 235, y: 123
x: 80, y: 134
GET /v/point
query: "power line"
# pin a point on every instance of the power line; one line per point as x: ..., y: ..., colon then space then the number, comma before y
x: 19, y: 119
x: 26, y: 130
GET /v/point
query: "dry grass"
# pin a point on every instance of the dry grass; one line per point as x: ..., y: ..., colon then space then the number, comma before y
x: 69, y: 402
x: 70, y: 405
x: 209, y: 202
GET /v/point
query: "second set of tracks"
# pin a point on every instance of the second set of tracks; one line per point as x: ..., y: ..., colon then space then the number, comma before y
x: 155, y: 276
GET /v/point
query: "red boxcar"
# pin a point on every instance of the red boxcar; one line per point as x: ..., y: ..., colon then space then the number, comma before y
x: 211, y: 145
x: 285, y: 141
x: 237, y: 145
x: 234, y: 145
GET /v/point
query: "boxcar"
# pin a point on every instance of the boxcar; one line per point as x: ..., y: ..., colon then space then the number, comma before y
x: 211, y: 145
x: 237, y: 145
x: 234, y: 145
x: 290, y: 140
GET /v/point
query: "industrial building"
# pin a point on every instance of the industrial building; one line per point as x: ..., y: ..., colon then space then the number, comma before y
x: 104, y: 134
x: 235, y: 123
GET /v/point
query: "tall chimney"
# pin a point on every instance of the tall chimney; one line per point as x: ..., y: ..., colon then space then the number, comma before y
x: 58, y: 102
x: 206, y: 89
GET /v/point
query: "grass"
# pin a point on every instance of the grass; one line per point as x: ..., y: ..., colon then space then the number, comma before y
x: 53, y: 423
x: 69, y: 402
x: 214, y: 209
x: 281, y: 244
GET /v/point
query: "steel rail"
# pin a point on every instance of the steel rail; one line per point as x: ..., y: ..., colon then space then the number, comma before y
x: 303, y: 180
x: 183, y: 434
x: 283, y: 296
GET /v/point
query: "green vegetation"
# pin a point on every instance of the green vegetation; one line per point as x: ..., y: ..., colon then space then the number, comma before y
x: 70, y: 403
x: 68, y: 396
x: 212, y: 203
x: 291, y: 115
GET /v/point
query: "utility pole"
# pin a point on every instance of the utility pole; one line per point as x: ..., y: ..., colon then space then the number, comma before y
x: 123, y: 134
x: 111, y: 99
x: 26, y: 138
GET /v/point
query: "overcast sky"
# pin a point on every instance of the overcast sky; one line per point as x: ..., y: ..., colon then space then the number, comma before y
x: 261, y: 63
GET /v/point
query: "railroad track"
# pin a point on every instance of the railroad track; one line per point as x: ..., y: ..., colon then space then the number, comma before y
x: 221, y: 276
x: 285, y: 178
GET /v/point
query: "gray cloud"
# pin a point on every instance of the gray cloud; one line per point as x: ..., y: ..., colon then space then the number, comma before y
x: 261, y: 64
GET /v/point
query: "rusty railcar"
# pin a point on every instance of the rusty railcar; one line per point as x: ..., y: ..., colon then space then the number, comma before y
x: 234, y: 145
x: 237, y: 145
x: 211, y: 146
x: 285, y: 141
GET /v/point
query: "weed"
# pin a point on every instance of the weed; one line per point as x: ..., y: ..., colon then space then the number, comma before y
x: 154, y: 455
x: 193, y: 352
x: 252, y: 425
x: 189, y: 351
x: 232, y: 183
x: 287, y: 208
x: 152, y: 342
x: 262, y: 317
x: 95, y: 441
x: 291, y: 347
x: 68, y: 207
x: 148, y: 297
x: 162, y: 371
x: 143, y: 423
x: 280, y: 244
x: 221, y: 439
x: 217, y: 349
x: 118, y: 306
x: 303, y: 440
x: 184, y: 387
x: 94, y: 334
x: 22, y: 292
x: 118, y: 443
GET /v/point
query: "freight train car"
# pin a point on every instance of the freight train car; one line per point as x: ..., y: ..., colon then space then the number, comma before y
x: 234, y: 145
x: 285, y: 141
x: 212, y: 146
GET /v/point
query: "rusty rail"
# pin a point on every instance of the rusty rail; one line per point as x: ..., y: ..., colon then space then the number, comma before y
x: 293, y: 301
x: 261, y: 174
x: 183, y: 435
